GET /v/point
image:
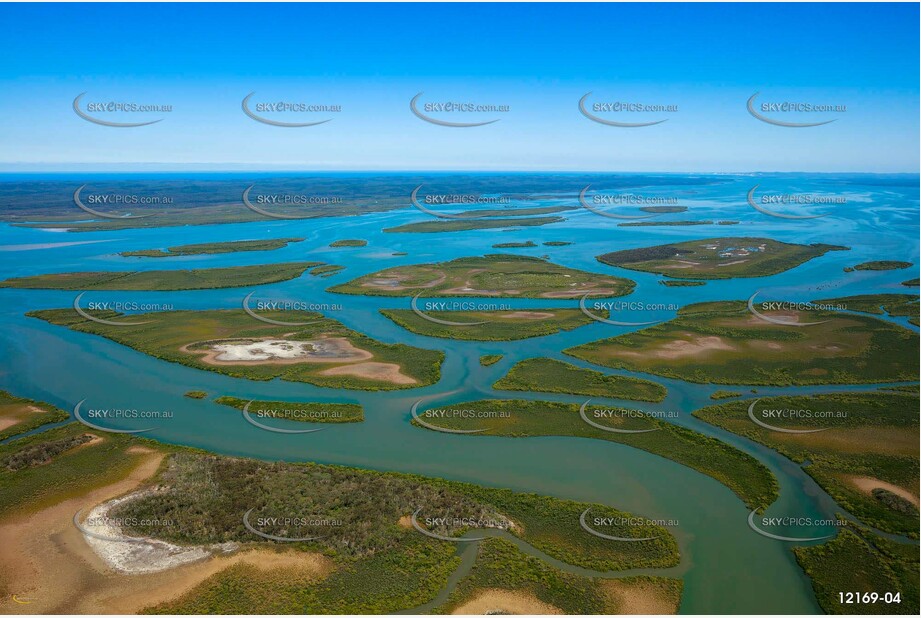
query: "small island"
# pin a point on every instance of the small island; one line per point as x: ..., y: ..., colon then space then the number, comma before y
x: 515, y: 245
x: 718, y: 258
x: 879, y: 265
x: 304, y: 412
x: 490, y: 359
x: 498, y: 276
x: 503, y: 325
x: 547, y: 375
x: 349, y: 243
x: 165, y: 280
x: 308, y: 348
x: 214, y: 247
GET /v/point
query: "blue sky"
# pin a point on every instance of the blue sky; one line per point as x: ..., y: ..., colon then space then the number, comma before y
x: 538, y: 59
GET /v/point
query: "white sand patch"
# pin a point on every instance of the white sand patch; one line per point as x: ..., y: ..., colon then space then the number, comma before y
x: 280, y: 351
x: 144, y: 556
x: 270, y: 349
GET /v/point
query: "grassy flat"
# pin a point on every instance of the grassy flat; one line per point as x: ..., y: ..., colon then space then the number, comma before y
x: 331, y: 354
x: 896, y: 305
x: 506, y: 580
x: 490, y: 359
x: 859, y: 561
x: 305, y: 412
x: 717, y: 258
x: 505, y: 325
x: 165, y: 280
x: 458, y: 225
x: 501, y: 276
x: 215, y: 247
x: 19, y: 415
x: 723, y: 343
x: 547, y: 375
x: 869, y: 441
x: 742, y: 473
x: 515, y: 245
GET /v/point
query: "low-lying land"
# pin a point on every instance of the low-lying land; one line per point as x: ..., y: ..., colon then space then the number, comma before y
x: 724, y: 343
x: 718, y: 258
x: 214, y: 247
x: 896, y: 305
x: 663, y: 209
x: 879, y: 265
x: 858, y: 562
x: 349, y: 243
x: 165, y: 280
x: 681, y: 283
x: 498, y: 276
x: 19, y: 415
x: 356, y: 552
x: 306, y: 412
x: 865, y: 454
x: 505, y: 580
x: 517, y: 418
x: 503, y: 325
x: 312, y: 348
x: 515, y: 245
x: 490, y: 359
x: 547, y: 375
x: 459, y: 225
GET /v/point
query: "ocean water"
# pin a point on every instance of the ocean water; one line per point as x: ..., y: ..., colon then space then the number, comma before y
x: 726, y: 567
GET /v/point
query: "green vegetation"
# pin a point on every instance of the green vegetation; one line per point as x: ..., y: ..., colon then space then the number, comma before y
x: 491, y: 275
x: 307, y: 412
x: 464, y: 225
x: 663, y: 209
x: 895, y: 305
x: 196, y: 394
x: 215, y: 247
x: 358, y: 512
x: 515, y: 245
x: 23, y: 415
x: 165, y: 280
x: 189, y: 337
x: 870, y: 441
x: 546, y: 375
x: 723, y: 343
x: 720, y: 394
x: 501, y: 565
x: 327, y: 270
x: 741, y: 472
x: 859, y: 561
x: 490, y: 359
x: 349, y: 243
x: 718, y: 258
x: 43, y: 453
x: 502, y: 325
x: 681, y: 283
x: 912, y: 283
x: 556, y: 243
x: 69, y: 473
x: 880, y: 265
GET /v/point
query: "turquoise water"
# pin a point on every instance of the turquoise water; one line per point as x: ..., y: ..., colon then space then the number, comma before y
x: 727, y: 568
